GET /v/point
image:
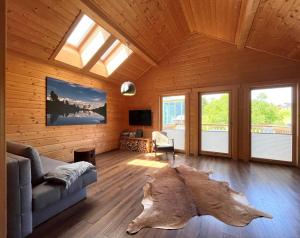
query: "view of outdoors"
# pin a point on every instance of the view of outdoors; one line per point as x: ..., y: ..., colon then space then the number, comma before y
x: 173, y: 114
x: 214, y: 122
x: 271, y: 123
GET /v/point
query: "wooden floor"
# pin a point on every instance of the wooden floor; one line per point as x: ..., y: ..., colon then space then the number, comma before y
x: 116, y: 199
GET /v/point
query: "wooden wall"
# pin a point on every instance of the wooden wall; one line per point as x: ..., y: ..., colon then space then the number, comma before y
x: 201, y: 62
x: 25, y: 101
x: 2, y: 120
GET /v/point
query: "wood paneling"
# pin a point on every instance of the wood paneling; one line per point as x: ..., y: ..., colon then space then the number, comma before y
x: 271, y: 26
x: 203, y: 62
x: 2, y: 119
x: 215, y: 18
x: 25, y: 101
x: 35, y: 28
x: 276, y: 28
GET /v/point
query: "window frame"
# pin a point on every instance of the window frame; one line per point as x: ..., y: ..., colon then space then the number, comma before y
x: 294, y: 121
x: 70, y: 50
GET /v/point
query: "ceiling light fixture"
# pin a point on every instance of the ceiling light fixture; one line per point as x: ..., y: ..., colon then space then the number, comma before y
x: 128, y: 89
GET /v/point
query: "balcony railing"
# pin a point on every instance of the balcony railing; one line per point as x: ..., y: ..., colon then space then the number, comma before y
x: 260, y: 129
x: 214, y: 127
x: 271, y: 129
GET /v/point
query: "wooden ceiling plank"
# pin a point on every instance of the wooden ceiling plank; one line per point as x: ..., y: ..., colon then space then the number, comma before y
x: 90, y: 9
x: 149, y: 27
x: 99, y: 53
x: 247, y: 14
x: 188, y: 14
x: 137, y: 19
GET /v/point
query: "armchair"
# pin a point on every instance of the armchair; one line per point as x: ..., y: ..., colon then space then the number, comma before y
x: 162, y: 143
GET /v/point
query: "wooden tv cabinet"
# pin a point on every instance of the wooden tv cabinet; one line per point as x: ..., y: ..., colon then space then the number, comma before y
x: 143, y: 145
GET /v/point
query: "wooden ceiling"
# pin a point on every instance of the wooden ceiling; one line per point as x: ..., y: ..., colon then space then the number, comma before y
x: 276, y: 28
x: 154, y: 27
x: 216, y: 18
x: 272, y: 26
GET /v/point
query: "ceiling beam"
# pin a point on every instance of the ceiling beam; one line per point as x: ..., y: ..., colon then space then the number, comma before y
x: 100, y: 52
x: 88, y: 7
x: 247, y: 15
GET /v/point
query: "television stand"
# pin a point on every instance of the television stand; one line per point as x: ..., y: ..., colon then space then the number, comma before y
x: 143, y: 145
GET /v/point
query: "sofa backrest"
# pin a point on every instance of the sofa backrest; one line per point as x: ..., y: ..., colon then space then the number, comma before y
x: 19, y: 196
x: 31, y: 153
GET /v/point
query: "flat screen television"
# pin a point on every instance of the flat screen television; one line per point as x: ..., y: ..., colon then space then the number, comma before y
x: 140, y: 117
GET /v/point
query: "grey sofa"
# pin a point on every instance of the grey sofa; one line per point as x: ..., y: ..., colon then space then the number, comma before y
x: 30, y: 204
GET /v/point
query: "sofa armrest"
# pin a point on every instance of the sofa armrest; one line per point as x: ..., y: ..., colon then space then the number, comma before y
x: 19, y: 196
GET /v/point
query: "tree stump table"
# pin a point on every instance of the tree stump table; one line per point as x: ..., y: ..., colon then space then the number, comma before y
x: 85, y: 154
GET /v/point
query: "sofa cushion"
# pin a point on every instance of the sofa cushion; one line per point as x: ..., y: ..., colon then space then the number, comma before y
x: 45, y: 194
x: 48, y: 193
x: 32, y: 154
x: 50, y: 164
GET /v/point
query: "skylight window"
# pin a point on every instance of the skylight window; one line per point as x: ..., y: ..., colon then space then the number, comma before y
x: 97, y: 40
x: 117, y: 58
x: 87, y: 42
x: 110, y: 49
x: 80, y: 31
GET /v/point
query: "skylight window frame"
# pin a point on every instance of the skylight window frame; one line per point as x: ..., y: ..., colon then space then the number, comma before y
x: 85, y: 35
x: 111, y: 56
x: 97, y: 55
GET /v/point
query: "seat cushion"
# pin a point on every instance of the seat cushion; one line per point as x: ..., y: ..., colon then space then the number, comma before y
x: 31, y: 153
x: 48, y: 193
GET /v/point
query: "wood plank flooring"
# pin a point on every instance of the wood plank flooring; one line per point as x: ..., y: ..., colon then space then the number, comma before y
x: 116, y: 199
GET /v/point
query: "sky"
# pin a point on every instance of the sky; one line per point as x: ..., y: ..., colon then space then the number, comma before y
x: 277, y: 96
x: 76, y: 93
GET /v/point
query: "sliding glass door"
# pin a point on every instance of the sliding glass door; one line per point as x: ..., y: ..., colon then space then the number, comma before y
x: 214, y: 123
x: 173, y: 119
x: 272, y: 123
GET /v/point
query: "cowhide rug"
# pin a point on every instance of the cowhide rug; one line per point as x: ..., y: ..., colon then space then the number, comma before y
x: 174, y: 195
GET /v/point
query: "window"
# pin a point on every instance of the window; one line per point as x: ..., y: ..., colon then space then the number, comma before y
x: 93, y: 45
x: 80, y: 31
x: 173, y: 119
x: 214, y: 119
x: 117, y: 57
x: 272, y: 123
x: 82, y: 45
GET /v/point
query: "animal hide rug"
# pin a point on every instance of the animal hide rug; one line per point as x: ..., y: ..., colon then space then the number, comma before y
x: 174, y: 195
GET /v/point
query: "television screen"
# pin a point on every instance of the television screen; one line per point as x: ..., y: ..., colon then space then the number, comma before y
x: 140, y: 117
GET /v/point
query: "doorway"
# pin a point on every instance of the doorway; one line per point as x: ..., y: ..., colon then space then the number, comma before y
x: 173, y: 119
x: 272, y: 124
x: 215, y: 129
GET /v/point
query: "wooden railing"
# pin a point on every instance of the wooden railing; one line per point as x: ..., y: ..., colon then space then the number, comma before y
x: 260, y: 129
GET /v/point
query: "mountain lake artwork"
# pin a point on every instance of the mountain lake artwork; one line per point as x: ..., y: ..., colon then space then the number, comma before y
x: 73, y: 104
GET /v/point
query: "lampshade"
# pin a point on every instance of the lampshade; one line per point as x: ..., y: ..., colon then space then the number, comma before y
x: 128, y: 89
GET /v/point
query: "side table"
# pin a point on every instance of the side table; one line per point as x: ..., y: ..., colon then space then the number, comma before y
x: 85, y: 154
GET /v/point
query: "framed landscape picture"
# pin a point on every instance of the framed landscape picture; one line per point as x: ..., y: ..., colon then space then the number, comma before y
x: 73, y: 104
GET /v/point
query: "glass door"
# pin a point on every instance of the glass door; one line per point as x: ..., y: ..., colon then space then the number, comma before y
x: 173, y: 119
x: 272, y: 123
x: 215, y: 123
